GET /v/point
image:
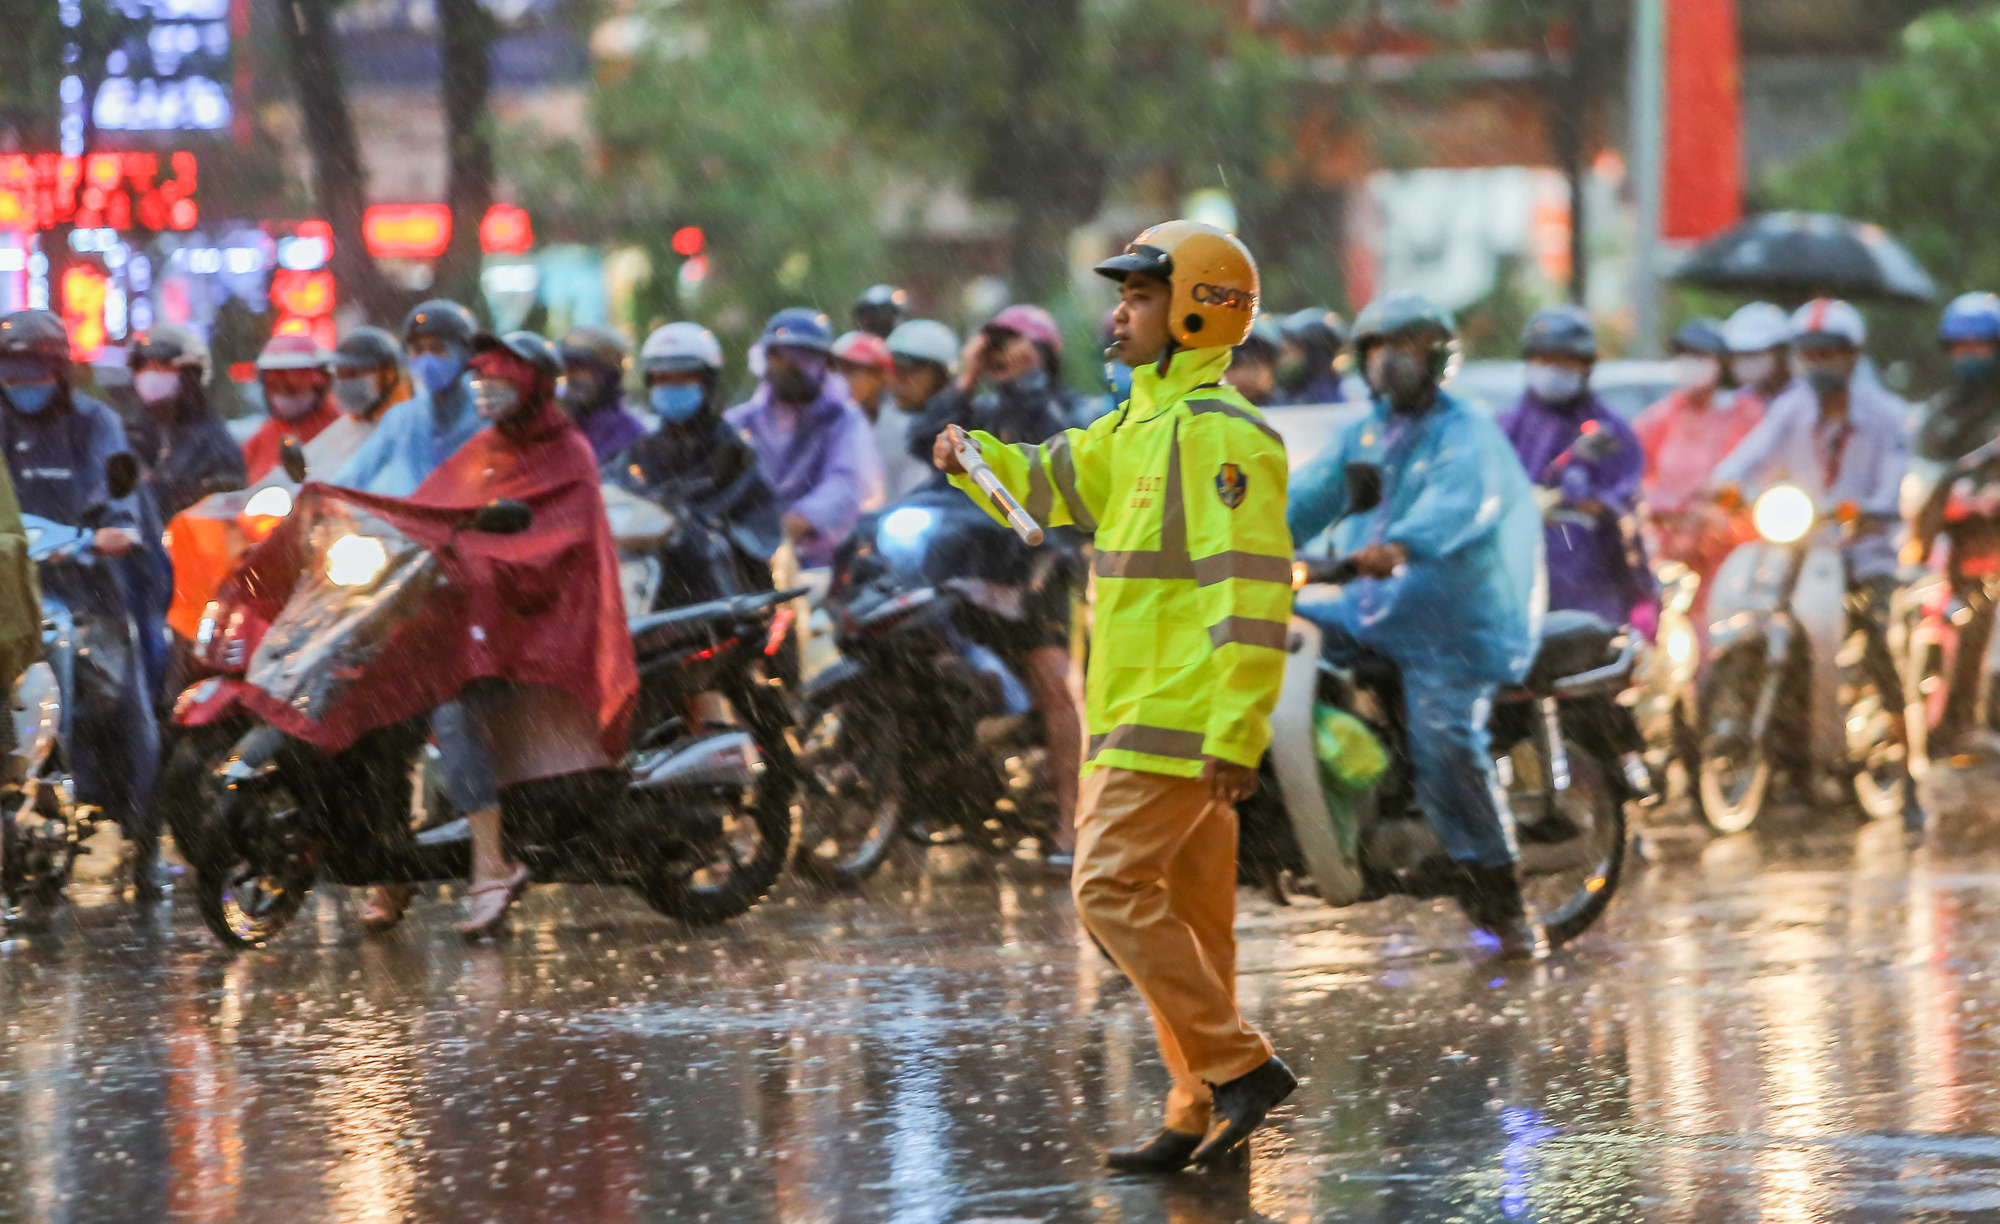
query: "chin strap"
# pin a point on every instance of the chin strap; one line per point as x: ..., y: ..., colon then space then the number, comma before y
x: 1166, y: 358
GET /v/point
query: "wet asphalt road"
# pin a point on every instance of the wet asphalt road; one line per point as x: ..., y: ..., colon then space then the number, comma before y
x: 1767, y: 1028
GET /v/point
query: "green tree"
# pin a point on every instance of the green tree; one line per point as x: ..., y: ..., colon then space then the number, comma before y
x: 1919, y: 156
x: 732, y: 140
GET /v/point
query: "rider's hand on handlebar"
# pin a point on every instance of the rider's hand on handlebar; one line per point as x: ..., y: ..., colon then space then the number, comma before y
x: 1379, y: 560
x: 944, y: 452
x: 114, y: 541
x: 1227, y: 781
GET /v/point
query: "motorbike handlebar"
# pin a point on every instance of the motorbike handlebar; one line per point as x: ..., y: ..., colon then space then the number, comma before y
x: 1332, y: 571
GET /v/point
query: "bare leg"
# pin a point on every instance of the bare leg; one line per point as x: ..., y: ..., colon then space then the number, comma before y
x: 496, y: 879
x: 1048, y: 682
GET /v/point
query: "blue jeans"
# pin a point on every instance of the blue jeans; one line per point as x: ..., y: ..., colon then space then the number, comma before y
x: 1448, y: 745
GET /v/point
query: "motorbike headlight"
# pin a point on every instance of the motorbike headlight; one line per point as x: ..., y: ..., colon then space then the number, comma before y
x: 903, y: 529
x: 1783, y: 514
x: 355, y: 560
x: 272, y: 502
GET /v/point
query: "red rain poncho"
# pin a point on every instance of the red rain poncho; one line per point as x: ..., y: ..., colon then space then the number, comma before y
x: 541, y: 607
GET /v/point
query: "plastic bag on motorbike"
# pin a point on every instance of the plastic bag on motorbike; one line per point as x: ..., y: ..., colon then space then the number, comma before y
x: 363, y: 580
x: 102, y: 664
x: 1351, y: 760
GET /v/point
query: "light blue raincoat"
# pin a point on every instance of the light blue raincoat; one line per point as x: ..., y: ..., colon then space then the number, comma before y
x: 1453, y: 494
x: 410, y: 441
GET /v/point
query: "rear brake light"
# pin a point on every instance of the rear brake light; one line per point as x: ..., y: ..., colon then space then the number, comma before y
x: 781, y: 624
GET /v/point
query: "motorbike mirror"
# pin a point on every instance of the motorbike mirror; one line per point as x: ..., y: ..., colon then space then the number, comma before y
x: 293, y: 457
x: 1364, y: 487
x: 121, y: 474
x: 503, y: 517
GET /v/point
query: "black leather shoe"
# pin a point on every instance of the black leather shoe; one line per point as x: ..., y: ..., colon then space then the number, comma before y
x: 1240, y: 1106
x: 1166, y: 1152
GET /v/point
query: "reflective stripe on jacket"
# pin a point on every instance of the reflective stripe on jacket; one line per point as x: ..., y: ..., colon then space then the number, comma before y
x: 1185, y: 489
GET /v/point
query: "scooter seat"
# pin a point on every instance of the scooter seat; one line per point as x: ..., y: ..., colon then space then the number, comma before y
x: 1572, y: 642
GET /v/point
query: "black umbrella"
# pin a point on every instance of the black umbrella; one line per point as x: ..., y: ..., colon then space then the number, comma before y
x: 1800, y: 255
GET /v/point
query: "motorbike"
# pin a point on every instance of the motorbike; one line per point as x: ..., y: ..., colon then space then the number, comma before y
x: 700, y: 826
x: 922, y: 731
x: 1783, y: 688
x: 44, y: 827
x: 1951, y: 607
x: 1335, y: 805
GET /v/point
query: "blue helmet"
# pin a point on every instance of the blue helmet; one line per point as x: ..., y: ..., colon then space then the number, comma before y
x: 1971, y: 316
x: 1559, y: 331
x: 799, y: 327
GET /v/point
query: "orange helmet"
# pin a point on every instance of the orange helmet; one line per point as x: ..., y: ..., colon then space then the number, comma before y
x: 1214, y: 280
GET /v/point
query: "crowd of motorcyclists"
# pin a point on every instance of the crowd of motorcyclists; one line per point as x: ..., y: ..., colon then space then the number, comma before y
x: 1559, y: 503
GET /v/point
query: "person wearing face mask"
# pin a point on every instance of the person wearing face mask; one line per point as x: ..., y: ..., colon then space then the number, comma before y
x: 1957, y: 421
x: 593, y: 389
x: 869, y: 368
x: 1454, y: 587
x: 813, y: 444
x: 1844, y: 441
x: 1009, y: 383
x: 412, y: 437
x: 1966, y: 414
x: 1759, y: 360
x: 298, y: 390
x: 923, y: 357
x: 696, y: 463
x: 1684, y: 436
x: 59, y: 444
x: 179, y: 439
x: 1587, y: 463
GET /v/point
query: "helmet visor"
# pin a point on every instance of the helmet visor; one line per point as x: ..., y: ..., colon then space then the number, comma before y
x: 1138, y: 260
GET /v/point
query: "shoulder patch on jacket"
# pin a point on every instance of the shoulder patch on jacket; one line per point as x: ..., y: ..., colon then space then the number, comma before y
x: 1231, y: 484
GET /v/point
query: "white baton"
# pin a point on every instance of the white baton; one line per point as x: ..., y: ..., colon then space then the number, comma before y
x: 982, y: 475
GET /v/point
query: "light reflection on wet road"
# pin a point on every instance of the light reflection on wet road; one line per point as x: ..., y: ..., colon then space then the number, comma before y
x: 1772, y: 1032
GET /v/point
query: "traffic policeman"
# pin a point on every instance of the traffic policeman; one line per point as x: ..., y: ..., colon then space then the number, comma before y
x: 1184, y: 490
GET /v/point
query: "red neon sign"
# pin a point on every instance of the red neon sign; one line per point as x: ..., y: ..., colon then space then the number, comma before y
x: 83, y: 292
x: 406, y: 231
x: 40, y: 191
x: 506, y: 230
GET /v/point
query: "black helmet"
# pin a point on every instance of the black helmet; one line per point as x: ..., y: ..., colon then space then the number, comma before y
x: 440, y: 317
x: 526, y: 345
x: 367, y: 348
x: 1702, y: 336
x: 598, y: 346
x: 1315, y: 327
x: 1559, y: 331
x: 35, y: 333
x: 879, y: 309
x: 1401, y: 316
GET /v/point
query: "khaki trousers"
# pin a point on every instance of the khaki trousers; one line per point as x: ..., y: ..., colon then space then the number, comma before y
x: 1155, y: 881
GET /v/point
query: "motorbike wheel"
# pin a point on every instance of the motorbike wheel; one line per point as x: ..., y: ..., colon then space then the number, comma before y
x: 1879, y: 781
x: 722, y: 876
x: 249, y: 894
x: 851, y: 816
x: 1733, y: 777
x: 182, y: 795
x: 1568, y: 884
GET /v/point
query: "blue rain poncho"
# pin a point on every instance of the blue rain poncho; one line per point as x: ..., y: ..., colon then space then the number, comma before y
x: 1470, y: 600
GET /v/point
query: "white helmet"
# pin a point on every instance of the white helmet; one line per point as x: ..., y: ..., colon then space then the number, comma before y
x: 1829, y: 319
x: 680, y: 348
x: 925, y: 340
x: 171, y: 343
x: 1757, y: 328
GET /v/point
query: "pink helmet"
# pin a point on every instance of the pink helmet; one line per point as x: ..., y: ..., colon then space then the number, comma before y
x: 1030, y: 321
x: 863, y: 348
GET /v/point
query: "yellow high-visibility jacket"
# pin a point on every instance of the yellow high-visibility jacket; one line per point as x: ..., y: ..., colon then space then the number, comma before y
x: 1184, y: 487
